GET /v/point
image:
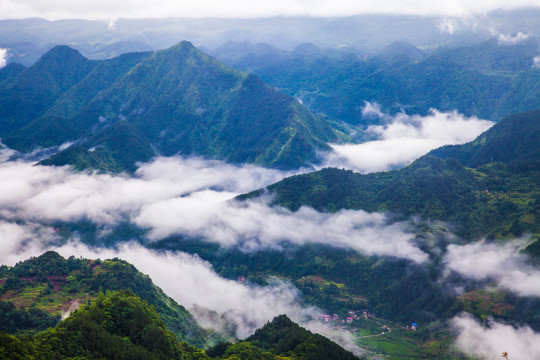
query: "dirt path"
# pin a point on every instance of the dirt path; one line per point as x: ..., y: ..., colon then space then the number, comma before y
x: 382, y: 333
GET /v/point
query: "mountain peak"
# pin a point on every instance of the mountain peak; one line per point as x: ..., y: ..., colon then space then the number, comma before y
x: 66, y: 66
x: 61, y: 53
x: 182, y: 46
x: 180, y: 100
x: 307, y: 49
x: 403, y: 49
x: 185, y: 44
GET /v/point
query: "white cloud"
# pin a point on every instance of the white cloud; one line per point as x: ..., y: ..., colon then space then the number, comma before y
x: 44, y: 193
x: 512, y: 39
x: 3, y: 57
x: 491, y: 340
x: 405, y: 138
x: 192, y: 197
x: 255, y: 225
x: 19, y: 242
x: 112, y: 25
x: 102, y: 9
x: 448, y: 26
x: 501, y: 263
x: 374, y: 110
x: 536, y: 62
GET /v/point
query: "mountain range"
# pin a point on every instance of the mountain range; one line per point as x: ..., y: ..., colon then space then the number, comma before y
x: 489, y: 79
x: 28, y: 39
x: 274, y: 93
x: 128, y: 109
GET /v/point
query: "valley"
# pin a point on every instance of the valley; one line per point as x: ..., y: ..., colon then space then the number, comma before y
x: 246, y: 195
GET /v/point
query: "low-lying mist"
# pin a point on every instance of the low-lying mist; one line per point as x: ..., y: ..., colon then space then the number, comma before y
x: 194, y: 197
x: 504, y: 264
x: 403, y: 138
x: 192, y: 282
x: 489, y: 340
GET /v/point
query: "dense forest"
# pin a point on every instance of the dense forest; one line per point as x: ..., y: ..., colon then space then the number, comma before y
x: 52, y: 283
x: 488, y: 187
x: 121, y: 325
x: 487, y: 79
x: 130, y: 108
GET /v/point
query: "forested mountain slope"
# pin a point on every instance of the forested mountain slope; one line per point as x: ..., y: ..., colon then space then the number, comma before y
x: 133, y: 107
x: 118, y: 326
x: 131, y: 322
x: 489, y: 80
x: 481, y: 197
x: 55, y: 285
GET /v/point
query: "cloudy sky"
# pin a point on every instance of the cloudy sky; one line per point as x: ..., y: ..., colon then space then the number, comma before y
x: 105, y: 9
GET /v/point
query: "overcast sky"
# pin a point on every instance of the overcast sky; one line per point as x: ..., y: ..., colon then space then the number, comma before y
x: 106, y: 9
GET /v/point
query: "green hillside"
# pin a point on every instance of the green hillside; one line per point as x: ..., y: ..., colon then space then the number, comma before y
x: 118, y: 326
x: 123, y: 326
x: 55, y: 285
x: 494, y: 199
x: 283, y: 338
x: 177, y: 100
x: 118, y: 314
x: 36, y: 88
x: 10, y: 71
x: 513, y: 141
x: 488, y: 79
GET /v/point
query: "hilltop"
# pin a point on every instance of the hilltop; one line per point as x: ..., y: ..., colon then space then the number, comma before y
x: 49, y: 286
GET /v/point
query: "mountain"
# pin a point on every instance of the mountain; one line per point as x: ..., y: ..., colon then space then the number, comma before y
x: 59, y: 121
x: 177, y: 100
x: 8, y: 72
x: 123, y: 326
x: 403, y: 51
x: 512, y: 141
x: 485, y: 198
x: 120, y: 324
x: 282, y: 337
x: 496, y: 55
x: 56, y: 285
x: 489, y: 80
x: 117, y: 326
x: 38, y: 87
x: 28, y: 39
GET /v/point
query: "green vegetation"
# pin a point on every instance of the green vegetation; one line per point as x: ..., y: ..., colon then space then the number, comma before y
x: 488, y: 79
x: 401, y: 344
x: 13, y: 320
x: 122, y: 325
x: 32, y: 91
x: 282, y: 339
x: 118, y: 326
x: 495, y: 199
x: 56, y: 285
x: 178, y: 100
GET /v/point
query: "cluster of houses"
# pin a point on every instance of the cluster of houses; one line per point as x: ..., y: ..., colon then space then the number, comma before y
x: 352, y: 316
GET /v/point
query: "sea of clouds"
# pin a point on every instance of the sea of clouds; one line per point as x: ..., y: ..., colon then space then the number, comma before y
x: 195, y: 197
